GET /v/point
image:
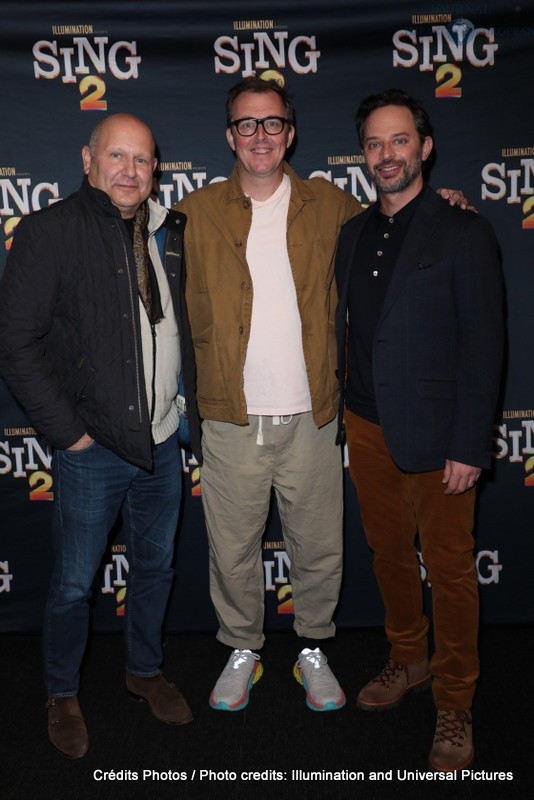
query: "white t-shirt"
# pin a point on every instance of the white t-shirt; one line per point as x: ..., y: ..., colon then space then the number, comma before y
x: 275, y: 378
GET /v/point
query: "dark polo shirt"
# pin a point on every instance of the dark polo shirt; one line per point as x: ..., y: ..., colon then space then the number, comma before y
x: 375, y: 257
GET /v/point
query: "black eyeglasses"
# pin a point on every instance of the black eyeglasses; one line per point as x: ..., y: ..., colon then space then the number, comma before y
x: 247, y: 125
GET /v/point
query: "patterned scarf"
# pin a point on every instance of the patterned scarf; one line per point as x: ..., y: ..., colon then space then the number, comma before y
x: 142, y: 259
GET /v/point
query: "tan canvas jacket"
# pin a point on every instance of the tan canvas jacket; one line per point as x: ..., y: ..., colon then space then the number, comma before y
x: 220, y: 293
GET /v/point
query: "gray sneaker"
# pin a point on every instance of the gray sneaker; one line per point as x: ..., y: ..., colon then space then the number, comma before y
x: 323, y: 692
x: 236, y: 680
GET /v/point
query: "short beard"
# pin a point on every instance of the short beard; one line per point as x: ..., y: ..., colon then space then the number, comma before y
x: 410, y: 174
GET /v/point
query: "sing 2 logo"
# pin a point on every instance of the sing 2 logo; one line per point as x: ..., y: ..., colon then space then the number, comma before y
x: 87, y: 61
x: 445, y: 47
x: 512, y: 181
x: 516, y: 444
x: 18, y: 197
x: 31, y: 461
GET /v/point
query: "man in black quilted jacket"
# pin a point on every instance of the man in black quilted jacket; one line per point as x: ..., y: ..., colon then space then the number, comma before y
x: 92, y: 342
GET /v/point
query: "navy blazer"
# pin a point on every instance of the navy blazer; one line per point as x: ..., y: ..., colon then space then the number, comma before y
x: 437, y: 348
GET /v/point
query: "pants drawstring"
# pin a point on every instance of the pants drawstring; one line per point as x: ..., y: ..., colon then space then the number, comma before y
x: 259, y: 438
x: 283, y: 419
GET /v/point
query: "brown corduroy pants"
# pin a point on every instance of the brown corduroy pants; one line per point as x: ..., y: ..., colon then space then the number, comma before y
x: 395, y: 506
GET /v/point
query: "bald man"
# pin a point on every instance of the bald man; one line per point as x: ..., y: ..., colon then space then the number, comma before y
x: 93, y: 337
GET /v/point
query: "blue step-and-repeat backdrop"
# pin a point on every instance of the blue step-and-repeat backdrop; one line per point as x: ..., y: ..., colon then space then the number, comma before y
x: 65, y: 64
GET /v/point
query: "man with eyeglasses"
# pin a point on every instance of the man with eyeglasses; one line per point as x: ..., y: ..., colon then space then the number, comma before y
x: 261, y: 299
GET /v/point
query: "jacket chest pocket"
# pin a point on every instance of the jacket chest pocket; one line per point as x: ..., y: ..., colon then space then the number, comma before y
x: 430, y: 282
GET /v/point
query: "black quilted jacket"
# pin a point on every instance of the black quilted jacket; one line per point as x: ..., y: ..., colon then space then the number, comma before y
x: 70, y: 341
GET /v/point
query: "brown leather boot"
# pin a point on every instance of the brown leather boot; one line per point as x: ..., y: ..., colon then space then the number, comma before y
x: 165, y: 701
x: 392, y: 684
x: 66, y: 726
x: 453, y: 741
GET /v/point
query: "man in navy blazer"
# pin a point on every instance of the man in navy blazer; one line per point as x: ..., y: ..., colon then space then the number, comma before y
x: 420, y: 331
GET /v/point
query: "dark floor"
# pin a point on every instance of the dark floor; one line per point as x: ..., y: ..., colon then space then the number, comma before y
x: 275, y: 736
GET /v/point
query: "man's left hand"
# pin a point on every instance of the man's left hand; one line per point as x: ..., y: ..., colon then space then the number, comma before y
x: 459, y: 478
x: 456, y: 198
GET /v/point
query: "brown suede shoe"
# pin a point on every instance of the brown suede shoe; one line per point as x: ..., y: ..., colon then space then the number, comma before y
x: 66, y: 726
x: 389, y: 687
x: 453, y: 741
x: 165, y: 701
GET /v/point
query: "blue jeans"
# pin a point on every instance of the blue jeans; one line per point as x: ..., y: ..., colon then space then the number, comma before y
x: 91, y: 488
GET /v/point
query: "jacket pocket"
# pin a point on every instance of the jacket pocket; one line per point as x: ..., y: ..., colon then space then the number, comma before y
x: 80, y: 378
x: 211, y: 368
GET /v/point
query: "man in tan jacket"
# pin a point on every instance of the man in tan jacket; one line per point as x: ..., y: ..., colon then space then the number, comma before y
x: 261, y: 298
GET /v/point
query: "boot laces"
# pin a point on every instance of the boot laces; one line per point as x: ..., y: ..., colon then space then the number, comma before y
x: 451, y: 727
x: 391, y: 673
